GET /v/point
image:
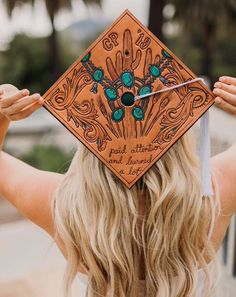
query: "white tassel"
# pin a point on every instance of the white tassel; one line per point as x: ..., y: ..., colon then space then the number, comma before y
x: 170, y: 88
x: 205, y: 158
x: 205, y: 155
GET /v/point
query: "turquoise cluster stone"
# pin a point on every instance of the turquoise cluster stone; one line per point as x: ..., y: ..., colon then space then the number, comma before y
x: 98, y: 75
x: 155, y: 70
x: 118, y: 114
x: 166, y: 55
x: 127, y: 79
x: 145, y: 90
x: 111, y: 94
x: 86, y: 58
x: 138, y: 113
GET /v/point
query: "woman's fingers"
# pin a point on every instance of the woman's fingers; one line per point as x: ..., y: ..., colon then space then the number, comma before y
x: 228, y: 80
x: 27, y: 111
x: 19, y: 105
x: 228, y: 88
x: 23, y: 103
x: 225, y: 105
x: 1, y: 94
x: 8, y: 101
x: 226, y: 95
x: 225, y: 90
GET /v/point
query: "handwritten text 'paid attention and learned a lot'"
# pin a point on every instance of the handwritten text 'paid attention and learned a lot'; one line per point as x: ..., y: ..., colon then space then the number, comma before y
x: 117, y: 156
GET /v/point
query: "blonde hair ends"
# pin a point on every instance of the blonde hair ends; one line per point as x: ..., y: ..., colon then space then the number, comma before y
x: 156, y: 231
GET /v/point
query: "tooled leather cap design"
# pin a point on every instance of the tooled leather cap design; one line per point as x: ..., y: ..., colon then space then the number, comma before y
x: 95, y: 99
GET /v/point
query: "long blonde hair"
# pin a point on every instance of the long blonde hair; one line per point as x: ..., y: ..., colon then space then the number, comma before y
x: 99, y: 221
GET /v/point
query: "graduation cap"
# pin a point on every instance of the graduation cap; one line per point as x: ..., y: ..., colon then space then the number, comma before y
x: 128, y: 99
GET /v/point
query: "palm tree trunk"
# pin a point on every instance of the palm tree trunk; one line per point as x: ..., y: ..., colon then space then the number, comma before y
x: 156, y: 18
x: 208, y: 48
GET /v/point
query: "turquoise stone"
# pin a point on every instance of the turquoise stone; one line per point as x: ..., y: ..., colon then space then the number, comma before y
x: 86, y: 58
x: 111, y: 94
x: 98, y: 75
x: 165, y: 54
x: 138, y: 113
x: 145, y: 90
x: 118, y: 114
x: 155, y: 71
x: 127, y: 79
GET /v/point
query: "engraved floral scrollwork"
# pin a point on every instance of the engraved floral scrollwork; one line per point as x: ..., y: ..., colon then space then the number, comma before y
x: 63, y: 98
x: 175, y: 118
x: 191, y: 98
x: 84, y: 115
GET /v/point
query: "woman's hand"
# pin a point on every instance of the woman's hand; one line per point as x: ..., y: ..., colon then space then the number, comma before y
x: 225, y: 90
x: 16, y: 105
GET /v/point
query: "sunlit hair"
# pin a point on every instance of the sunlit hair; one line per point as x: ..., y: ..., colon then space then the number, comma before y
x: 103, y: 227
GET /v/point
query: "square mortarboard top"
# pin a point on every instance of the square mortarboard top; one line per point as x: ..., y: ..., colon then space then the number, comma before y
x: 95, y: 99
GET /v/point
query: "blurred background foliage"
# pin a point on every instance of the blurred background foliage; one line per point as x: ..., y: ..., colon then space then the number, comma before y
x: 47, y: 158
x: 204, y: 38
x: 26, y: 63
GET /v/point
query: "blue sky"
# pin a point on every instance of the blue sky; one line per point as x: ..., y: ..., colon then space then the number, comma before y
x: 35, y: 22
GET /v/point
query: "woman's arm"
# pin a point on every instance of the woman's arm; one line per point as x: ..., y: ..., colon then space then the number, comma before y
x: 27, y: 188
x: 224, y: 164
x: 224, y: 168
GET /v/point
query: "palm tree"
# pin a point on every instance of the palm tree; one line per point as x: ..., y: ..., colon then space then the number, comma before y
x: 53, y: 8
x: 206, y: 15
x: 156, y: 18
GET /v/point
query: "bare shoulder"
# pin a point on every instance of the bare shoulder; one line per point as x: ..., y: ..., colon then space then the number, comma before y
x: 224, y: 170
